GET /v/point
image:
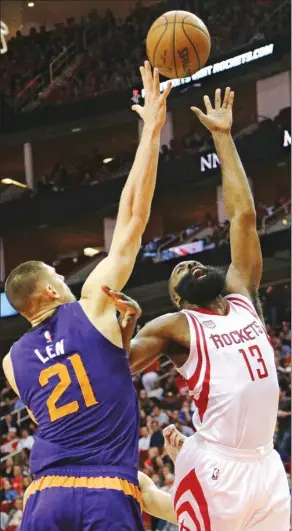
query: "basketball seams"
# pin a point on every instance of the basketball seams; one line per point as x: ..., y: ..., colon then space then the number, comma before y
x: 159, y: 40
x: 185, y: 24
x: 173, y: 45
x: 174, y: 62
x: 191, y: 42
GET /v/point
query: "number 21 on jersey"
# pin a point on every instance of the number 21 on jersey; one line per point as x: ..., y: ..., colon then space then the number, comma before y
x: 60, y: 370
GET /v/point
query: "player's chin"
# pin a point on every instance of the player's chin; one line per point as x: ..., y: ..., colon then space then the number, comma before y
x: 203, y: 290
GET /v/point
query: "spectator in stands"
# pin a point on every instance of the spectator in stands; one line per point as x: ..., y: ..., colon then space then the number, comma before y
x: 17, y: 480
x: 8, y: 472
x: 171, y: 401
x: 7, y: 399
x: 7, y: 423
x: 144, y: 441
x: 145, y: 403
x: 185, y: 414
x: 9, y: 493
x: 117, y: 47
x: 9, y: 442
x: 149, y: 379
x: 156, y: 439
x: 18, y: 404
x: 185, y: 430
x: 15, y: 515
x: 3, y: 521
x: 26, y: 441
x: 160, y: 416
x: 284, y: 425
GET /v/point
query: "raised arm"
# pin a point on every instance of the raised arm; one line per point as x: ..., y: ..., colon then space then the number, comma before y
x: 136, y: 198
x: 244, y: 274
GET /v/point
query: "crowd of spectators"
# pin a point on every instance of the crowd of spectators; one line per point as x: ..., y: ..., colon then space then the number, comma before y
x: 93, y: 168
x: 163, y: 399
x: 210, y: 232
x: 111, y: 60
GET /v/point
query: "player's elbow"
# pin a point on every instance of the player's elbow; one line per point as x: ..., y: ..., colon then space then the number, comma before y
x: 246, y: 217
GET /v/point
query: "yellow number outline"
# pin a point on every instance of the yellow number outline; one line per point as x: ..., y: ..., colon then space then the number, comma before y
x: 62, y: 372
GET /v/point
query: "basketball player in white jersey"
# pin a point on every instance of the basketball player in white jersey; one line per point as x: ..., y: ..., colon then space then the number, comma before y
x: 227, y: 476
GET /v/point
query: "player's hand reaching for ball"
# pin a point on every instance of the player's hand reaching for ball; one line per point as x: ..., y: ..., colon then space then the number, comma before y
x: 154, y: 111
x: 218, y: 118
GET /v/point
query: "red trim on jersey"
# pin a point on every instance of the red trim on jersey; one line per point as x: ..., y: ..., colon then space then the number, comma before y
x: 211, y: 312
x: 249, y: 306
x: 202, y: 402
x: 191, y: 483
x: 244, y: 304
x: 193, y: 380
x: 240, y: 303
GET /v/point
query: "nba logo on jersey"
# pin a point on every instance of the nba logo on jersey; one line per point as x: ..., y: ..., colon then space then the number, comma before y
x: 215, y: 474
x: 48, y: 336
x: 209, y: 324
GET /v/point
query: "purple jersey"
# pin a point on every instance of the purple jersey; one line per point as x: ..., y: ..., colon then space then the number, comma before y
x: 78, y: 385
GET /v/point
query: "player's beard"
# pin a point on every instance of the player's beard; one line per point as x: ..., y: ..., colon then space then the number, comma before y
x: 204, y: 290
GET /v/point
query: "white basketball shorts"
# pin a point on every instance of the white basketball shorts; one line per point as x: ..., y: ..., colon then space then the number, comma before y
x: 225, y: 489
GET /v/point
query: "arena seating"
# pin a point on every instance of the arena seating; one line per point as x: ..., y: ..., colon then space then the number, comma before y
x: 92, y: 171
x: 106, y: 54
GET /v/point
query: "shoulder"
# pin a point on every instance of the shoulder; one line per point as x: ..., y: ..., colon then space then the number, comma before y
x: 8, y: 371
x: 6, y: 363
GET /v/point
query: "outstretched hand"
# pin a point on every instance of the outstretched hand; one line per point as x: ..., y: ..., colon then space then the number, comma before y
x: 220, y: 117
x: 154, y: 111
x: 126, y: 306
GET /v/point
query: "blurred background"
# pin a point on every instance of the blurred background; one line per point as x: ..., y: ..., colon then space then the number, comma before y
x: 67, y: 142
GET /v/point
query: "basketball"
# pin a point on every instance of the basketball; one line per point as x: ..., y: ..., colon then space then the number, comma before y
x: 178, y: 44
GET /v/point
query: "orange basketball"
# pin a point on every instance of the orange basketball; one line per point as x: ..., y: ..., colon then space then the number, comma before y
x: 178, y: 44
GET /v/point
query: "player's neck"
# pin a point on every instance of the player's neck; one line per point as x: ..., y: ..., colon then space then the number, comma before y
x: 43, y: 314
x: 219, y: 306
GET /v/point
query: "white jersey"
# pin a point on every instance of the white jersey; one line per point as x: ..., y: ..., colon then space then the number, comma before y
x: 231, y: 375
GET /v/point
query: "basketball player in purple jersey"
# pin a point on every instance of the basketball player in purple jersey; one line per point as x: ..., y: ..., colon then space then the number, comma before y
x: 72, y: 372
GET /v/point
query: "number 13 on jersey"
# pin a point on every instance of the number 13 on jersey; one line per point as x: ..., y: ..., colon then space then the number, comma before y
x: 254, y: 352
x: 62, y: 372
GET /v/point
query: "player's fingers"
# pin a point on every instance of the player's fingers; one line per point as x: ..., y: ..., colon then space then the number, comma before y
x: 207, y: 103
x: 231, y: 100
x: 156, y: 81
x: 125, y: 322
x: 142, y: 72
x: 168, y: 430
x: 137, y: 108
x: 174, y: 437
x: 148, y: 76
x: 226, y: 98
x: 107, y: 291
x: 217, y: 99
x: 127, y: 318
x: 166, y: 92
x: 121, y: 295
x: 198, y: 113
x: 128, y: 306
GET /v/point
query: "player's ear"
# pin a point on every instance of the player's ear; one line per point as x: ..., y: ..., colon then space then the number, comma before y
x: 177, y: 300
x: 52, y: 293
